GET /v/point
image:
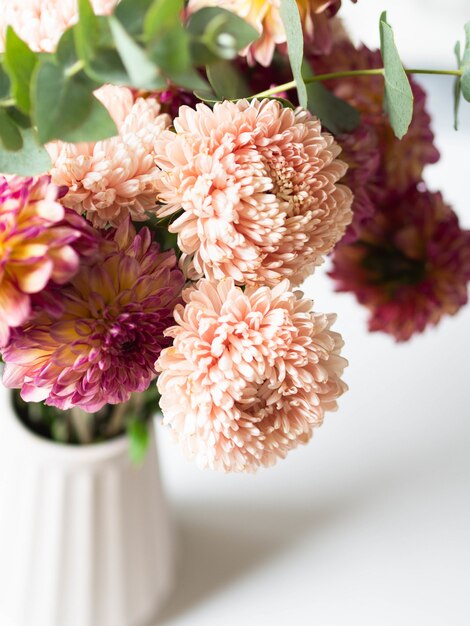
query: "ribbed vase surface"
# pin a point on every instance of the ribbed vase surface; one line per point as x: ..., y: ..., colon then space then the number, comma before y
x: 85, y: 537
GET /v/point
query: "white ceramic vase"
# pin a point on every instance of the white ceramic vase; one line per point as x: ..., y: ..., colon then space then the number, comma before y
x: 85, y: 537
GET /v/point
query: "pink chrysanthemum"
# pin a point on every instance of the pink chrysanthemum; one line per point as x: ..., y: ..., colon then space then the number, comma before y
x: 257, y: 184
x: 114, y: 178
x: 250, y: 374
x: 38, y: 241
x: 41, y: 23
x: 101, y: 346
x: 410, y: 266
x: 265, y: 17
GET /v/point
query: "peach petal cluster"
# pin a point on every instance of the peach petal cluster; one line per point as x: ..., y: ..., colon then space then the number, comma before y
x: 113, y: 179
x: 37, y: 244
x: 258, y: 188
x: 410, y: 265
x: 265, y: 17
x: 250, y: 374
x: 101, y: 342
x: 41, y: 23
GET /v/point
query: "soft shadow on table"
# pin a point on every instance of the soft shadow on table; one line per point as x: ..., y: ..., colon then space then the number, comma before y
x: 222, y: 542
x: 219, y: 544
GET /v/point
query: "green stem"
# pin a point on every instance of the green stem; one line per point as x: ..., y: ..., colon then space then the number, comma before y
x: 75, y: 69
x: 8, y: 102
x: 348, y: 74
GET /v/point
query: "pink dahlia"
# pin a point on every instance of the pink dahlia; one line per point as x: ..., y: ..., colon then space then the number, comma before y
x: 257, y: 186
x: 250, y: 375
x: 410, y: 265
x: 112, y: 179
x: 38, y: 243
x: 41, y: 23
x: 102, y: 343
x: 265, y: 17
x: 401, y: 162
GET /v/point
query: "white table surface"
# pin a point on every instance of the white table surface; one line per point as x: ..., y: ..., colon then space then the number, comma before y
x: 368, y: 525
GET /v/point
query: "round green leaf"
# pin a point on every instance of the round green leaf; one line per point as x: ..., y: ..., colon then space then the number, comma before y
x: 32, y: 159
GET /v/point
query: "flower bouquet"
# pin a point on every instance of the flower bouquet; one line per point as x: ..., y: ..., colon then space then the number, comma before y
x: 171, y: 174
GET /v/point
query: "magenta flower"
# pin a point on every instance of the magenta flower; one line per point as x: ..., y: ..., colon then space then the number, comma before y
x: 410, y: 266
x: 250, y: 375
x: 102, y: 343
x: 39, y: 242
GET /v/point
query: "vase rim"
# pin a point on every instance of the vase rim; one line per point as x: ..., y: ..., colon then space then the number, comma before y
x: 55, y: 450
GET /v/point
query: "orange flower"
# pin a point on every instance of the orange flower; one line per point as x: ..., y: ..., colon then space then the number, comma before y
x: 264, y: 15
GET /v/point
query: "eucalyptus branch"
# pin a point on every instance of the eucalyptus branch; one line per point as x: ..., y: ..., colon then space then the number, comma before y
x: 347, y: 74
x: 74, y: 69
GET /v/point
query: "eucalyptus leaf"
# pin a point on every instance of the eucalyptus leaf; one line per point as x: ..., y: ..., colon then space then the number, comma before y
x: 10, y: 136
x: 66, y: 108
x: 335, y: 114
x: 162, y: 17
x: 21, y: 119
x: 97, y: 126
x: 457, y: 87
x: 66, y: 53
x: 86, y: 31
x: 218, y: 34
x: 19, y: 62
x: 465, y: 83
x: 107, y: 67
x: 61, y: 103
x: 189, y: 79
x: 169, y: 44
x: 4, y: 85
x: 95, y: 46
x: 206, y: 96
x: 295, y: 45
x: 142, y: 72
x: 227, y: 81
x: 132, y: 14
x: 398, y: 101
x: 32, y: 159
x: 465, y: 66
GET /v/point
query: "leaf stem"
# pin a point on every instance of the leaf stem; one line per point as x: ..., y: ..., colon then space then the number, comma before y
x: 347, y: 74
x: 75, y: 68
x: 8, y: 102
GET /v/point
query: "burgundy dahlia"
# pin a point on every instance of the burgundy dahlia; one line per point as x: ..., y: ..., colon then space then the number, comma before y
x: 103, y: 342
x: 410, y: 266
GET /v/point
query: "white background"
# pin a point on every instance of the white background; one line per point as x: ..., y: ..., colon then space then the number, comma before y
x: 368, y: 525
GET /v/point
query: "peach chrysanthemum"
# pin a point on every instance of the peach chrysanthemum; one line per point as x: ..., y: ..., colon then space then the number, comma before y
x: 38, y: 243
x: 250, y: 374
x: 258, y: 187
x: 114, y: 178
x: 265, y: 17
x: 41, y: 23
